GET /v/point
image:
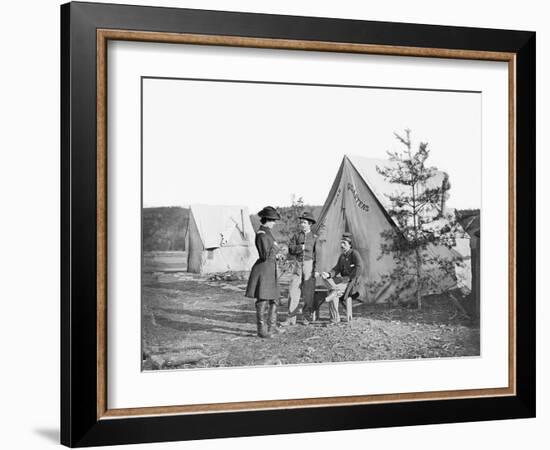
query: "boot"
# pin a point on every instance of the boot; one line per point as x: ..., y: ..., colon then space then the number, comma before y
x: 306, y: 315
x: 289, y: 322
x: 261, y: 310
x: 272, y: 327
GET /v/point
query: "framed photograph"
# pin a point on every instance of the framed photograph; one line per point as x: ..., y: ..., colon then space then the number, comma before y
x: 277, y: 224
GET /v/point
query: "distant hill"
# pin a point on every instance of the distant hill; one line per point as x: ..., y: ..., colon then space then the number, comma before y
x: 164, y: 228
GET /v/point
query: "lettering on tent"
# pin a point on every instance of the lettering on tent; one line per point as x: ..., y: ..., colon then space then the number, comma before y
x: 360, y: 203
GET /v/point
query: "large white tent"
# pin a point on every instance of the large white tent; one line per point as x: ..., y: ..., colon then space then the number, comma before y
x: 220, y: 239
x: 358, y: 203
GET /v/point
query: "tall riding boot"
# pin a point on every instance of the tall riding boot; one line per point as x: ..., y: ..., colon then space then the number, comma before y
x: 272, y: 320
x: 261, y: 311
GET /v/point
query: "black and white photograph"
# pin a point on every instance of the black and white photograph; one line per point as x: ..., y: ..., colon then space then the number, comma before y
x: 248, y: 225
x: 294, y: 223
x: 278, y: 224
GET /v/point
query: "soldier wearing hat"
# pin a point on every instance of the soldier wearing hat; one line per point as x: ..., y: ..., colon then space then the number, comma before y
x: 343, y: 279
x: 262, y: 283
x: 302, y: 247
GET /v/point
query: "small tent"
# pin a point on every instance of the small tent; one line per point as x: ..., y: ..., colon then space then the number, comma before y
x: 358, y: 203
x: 220, y: 239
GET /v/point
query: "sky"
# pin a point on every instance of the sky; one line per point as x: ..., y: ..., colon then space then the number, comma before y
x: 227, y: 143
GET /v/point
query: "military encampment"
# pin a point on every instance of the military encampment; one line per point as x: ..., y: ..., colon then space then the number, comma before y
x: 195, y: 313
x: 286, y: 222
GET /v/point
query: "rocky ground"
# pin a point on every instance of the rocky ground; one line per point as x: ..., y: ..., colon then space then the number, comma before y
x: 190, y: 322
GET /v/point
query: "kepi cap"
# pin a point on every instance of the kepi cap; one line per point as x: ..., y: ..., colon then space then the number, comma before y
x: 346, y: 237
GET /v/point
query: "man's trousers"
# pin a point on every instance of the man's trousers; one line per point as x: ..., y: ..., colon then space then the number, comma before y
x: 302, y: 284
x: 335, y: 293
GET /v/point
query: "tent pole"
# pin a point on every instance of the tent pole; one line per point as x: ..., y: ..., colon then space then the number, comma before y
x: 242, y: 224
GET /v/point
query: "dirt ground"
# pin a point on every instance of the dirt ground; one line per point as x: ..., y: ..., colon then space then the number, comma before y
x: 190, y: 322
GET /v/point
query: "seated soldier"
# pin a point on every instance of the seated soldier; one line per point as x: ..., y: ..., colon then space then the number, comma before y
x: 348, y: 269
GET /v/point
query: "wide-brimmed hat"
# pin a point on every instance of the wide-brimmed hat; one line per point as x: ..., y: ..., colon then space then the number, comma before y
x: 269, y: 213
x: 346, y: 237
x: 307, y: 216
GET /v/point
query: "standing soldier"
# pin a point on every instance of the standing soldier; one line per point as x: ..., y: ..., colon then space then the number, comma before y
x: 348, y: 269
x: 262, y: 283
x: 303, y: 247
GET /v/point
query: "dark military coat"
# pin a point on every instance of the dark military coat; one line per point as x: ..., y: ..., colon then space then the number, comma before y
x: 349, y: 265
x: 263, y: 283
x: 303, y: 246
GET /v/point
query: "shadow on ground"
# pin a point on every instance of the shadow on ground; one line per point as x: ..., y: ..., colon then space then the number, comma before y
x: 190, y: 327
x: 49, y: 434
x: 192, y: 323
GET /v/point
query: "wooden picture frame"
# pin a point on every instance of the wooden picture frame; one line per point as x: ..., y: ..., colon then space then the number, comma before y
x: 86, y: 419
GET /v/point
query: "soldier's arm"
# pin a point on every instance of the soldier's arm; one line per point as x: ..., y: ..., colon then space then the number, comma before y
x: 336, y: 269
x: 357, y: 268
x: 262, y: 245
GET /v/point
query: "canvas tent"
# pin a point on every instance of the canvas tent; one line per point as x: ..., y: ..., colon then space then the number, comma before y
x: 358, y: 203
x: 471, y: 224
x: 220, y: 239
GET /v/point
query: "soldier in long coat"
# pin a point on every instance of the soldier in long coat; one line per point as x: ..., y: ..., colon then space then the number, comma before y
x: 262, y: 283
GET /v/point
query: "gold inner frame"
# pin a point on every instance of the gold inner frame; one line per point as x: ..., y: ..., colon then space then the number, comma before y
x: 103, y: 36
